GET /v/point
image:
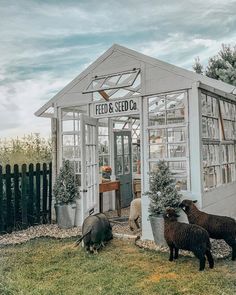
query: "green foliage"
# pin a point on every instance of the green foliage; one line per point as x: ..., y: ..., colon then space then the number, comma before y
x: 197, y: 67
x: 163, y: 192
x: 222, y: 66
x: 29, y: 149
x: 66, y: 187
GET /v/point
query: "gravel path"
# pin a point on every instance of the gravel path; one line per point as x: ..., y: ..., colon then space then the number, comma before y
x: 219, y: 248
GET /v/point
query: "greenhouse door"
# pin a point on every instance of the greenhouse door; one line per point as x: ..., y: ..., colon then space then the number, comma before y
x: 89, y: 166
x: 123, y: 165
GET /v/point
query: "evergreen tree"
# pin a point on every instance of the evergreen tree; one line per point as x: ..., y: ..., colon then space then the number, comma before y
x: 163, y: 192
x: 66, y: 187
x: 222, y: 66
x: 197, y: 67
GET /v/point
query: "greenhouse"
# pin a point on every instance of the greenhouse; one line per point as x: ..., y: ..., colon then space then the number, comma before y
x: 125, y: 112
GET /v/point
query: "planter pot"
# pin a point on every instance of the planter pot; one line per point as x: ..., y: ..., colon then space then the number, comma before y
x: 157, y: 224
x: 65, y: 215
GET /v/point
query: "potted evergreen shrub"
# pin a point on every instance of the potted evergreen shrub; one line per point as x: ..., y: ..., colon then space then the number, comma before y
x: 66, y: 190
x: 162, y: 194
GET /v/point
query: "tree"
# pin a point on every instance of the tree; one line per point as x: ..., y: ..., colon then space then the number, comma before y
x: 220, y: 67
x: 198, y: 68
x: 66, y: 186
x: 163, y: 192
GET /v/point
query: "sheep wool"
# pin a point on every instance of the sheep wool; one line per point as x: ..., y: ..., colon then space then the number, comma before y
x: 189, y: 237
x: 135, y: 213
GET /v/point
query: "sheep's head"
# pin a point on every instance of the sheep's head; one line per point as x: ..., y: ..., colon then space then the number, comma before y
x: 186, y: 205
x: 170, y: 215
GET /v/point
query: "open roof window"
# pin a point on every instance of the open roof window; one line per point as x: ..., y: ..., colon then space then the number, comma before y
x: 113, y: 81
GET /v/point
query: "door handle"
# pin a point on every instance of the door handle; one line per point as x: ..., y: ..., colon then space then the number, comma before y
x: 84, y: 191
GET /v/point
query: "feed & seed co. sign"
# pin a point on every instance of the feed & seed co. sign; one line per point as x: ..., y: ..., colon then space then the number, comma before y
x: 116, y: 107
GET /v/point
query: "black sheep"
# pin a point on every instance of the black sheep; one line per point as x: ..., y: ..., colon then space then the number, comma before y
x: 96, y: 230
x: 185, y: 236
x: 218, y: 227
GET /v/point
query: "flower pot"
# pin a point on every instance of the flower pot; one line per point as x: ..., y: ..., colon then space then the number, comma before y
x: 157, y: 224
x: 65, y: 215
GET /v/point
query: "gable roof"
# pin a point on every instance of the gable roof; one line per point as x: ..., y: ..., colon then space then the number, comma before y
x: 219, y: 85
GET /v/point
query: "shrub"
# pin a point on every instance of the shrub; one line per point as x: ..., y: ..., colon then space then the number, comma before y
x: 28, y: 149
x: 162, y: 192
x: 66, y: 186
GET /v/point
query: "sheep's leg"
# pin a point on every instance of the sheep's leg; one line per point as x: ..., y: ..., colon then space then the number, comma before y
x: 171, y: 253
x: 210, y: 258
x: 201, y: 256
x: 130, y: 225
x: 176, y: 253
x: 232, y: 243
x: 136, y: 222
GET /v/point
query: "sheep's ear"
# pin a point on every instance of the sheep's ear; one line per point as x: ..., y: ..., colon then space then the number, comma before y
x: 195, y: 201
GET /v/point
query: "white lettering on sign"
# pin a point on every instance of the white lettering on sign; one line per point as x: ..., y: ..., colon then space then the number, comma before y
x: 115, y: 107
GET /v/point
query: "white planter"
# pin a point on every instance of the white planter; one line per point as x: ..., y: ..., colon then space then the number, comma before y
x: 78, y: 213
x: 157, y: 224
x: 65, y: 215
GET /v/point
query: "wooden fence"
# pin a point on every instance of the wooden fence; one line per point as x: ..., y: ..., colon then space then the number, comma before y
x: 25, y: 196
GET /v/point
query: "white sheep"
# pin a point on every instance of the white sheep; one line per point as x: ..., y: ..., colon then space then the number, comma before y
x: 135, y: 212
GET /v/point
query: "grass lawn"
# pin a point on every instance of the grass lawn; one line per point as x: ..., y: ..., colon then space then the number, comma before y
x: 47, y: 266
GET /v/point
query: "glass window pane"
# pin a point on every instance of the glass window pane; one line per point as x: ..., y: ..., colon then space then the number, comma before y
x: 157, y: 136
x: 204, y: 103
x: 176, y: 150
x: 127, y: 164
x: 126, y: 144
x: 119, y: 165
x: 68, y: 152
x: 176, y: 134
x: 157, y: 151
x: 156, y: 106
x: 175, y: 116
x: 175, y: 101
x: 119, y: 145
x: 68, y: 125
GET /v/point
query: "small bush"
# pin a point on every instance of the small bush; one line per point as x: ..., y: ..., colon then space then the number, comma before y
x: 66, y: 186
x: 162, y: 193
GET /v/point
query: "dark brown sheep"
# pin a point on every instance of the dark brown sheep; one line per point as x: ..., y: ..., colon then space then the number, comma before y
x: 189, y: 237
x: 218, y: 227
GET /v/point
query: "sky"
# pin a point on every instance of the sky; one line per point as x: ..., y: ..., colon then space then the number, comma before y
x: 45, y: 44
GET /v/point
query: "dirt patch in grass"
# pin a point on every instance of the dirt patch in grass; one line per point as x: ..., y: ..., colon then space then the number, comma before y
x: 156, y: 277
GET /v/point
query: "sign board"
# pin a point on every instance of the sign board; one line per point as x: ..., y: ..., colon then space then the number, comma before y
x: 119, y: 107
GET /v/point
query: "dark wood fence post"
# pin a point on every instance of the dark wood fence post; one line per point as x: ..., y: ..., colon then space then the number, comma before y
x: 17, y: 196
x: 45, y: 193
x: 9, y: 217
x: 31, y: 195
x: 38, y: 192
x: 50, y: 192
x: 1, y: 202
x: 24, y: 196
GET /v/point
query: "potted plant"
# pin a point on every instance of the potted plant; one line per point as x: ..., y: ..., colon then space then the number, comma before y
x: 162, y: 194
x: 66, y: 191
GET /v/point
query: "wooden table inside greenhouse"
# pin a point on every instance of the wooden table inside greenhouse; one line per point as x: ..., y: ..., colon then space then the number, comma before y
x: 107, y: 187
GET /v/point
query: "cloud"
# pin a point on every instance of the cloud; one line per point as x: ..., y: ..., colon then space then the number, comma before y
x: 45, y: 44
x: 21, y: 99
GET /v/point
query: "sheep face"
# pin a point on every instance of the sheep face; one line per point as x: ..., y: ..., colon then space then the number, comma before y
x: 186, y: 205
x: 170, y: 215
